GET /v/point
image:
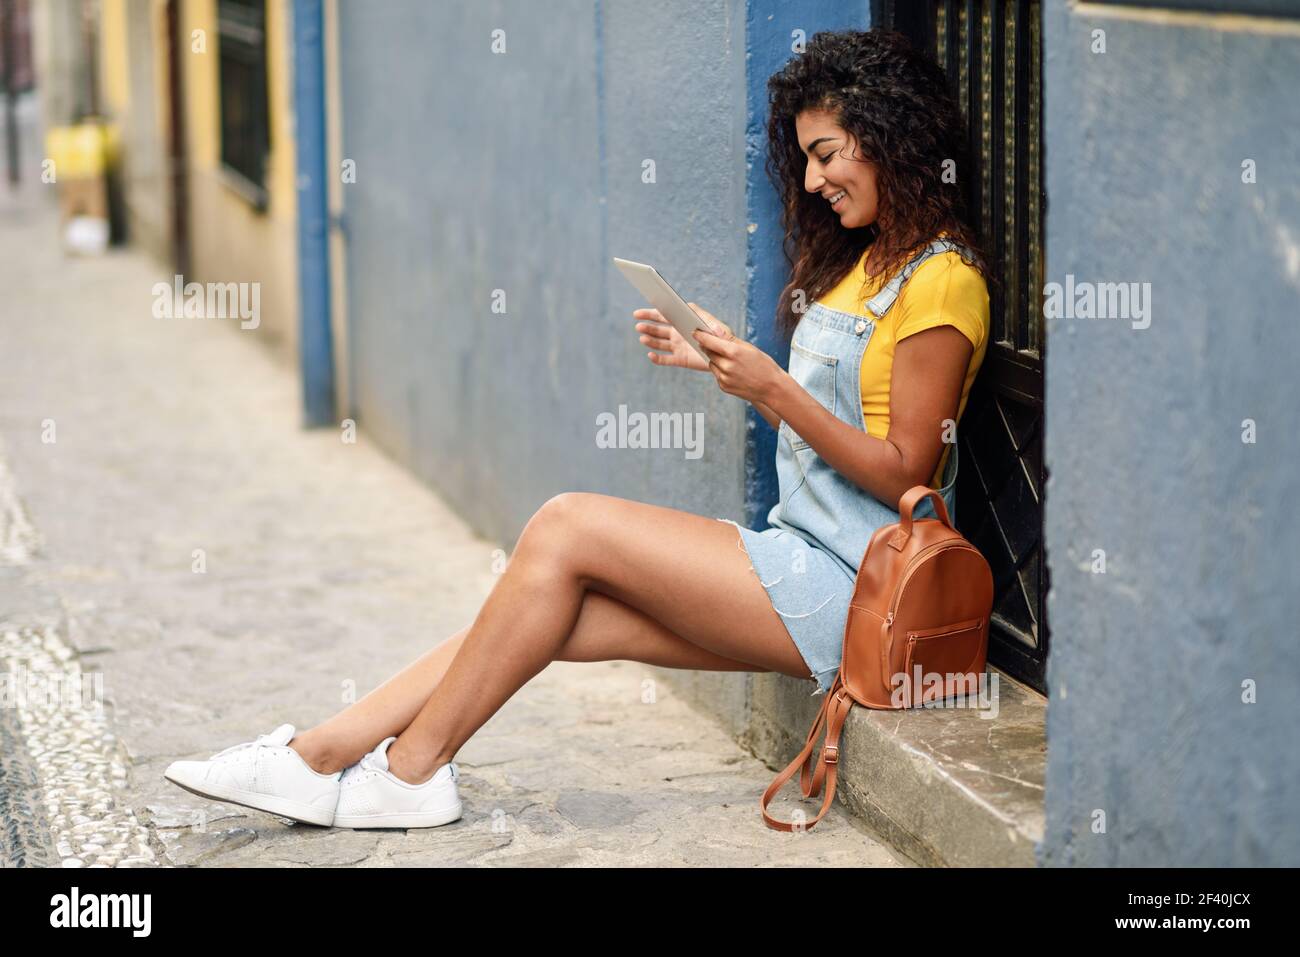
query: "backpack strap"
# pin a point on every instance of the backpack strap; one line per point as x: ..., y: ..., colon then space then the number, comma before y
x: 834, y: 710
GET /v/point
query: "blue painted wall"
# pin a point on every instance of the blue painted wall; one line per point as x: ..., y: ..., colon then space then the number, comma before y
x: 1146, y: 723
x: 315, y: 339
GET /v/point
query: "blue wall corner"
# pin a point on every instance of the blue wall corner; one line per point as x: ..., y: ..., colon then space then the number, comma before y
x: 770, y: 37
x: 315, y: 344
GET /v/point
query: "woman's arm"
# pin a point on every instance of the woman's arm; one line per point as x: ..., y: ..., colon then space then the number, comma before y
x: 924, y: 391
x: 766, y: 412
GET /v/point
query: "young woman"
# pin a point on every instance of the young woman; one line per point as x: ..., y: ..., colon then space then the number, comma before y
x: 888, y: 310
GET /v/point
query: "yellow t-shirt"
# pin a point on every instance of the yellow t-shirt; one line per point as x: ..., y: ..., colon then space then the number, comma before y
x: 942, y: 291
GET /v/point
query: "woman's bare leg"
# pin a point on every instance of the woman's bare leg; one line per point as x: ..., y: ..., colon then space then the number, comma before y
x: 679, y: 570
x: 341, y: 740
x: 607, y: 630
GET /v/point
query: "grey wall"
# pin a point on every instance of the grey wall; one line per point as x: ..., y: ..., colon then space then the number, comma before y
x: 522, y: 172
x: 1144, y: 146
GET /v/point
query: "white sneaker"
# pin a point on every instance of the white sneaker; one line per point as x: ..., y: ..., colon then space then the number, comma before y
x: 266, y: 775
x: 370, y: 796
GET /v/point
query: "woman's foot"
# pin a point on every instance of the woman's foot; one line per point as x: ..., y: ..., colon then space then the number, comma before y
x: 370, y: 795
x: 265, y: 775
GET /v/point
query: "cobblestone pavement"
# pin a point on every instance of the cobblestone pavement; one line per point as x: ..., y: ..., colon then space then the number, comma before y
x: 133, y: 450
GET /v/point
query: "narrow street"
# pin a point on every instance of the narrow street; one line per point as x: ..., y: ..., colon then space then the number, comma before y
x: 170, y: 534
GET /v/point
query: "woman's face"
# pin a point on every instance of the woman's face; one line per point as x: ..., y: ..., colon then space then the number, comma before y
x: 834, y: 167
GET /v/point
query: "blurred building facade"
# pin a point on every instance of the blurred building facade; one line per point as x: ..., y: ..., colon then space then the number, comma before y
x: 207, y: 182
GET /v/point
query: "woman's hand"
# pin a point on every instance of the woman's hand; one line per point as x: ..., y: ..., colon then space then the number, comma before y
x: 658, y: 333
x: 741, y: 368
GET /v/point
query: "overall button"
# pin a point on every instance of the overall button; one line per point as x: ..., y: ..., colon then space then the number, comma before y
x: 860, y: 326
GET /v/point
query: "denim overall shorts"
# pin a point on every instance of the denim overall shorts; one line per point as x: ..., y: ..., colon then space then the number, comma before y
x: 808, y: 559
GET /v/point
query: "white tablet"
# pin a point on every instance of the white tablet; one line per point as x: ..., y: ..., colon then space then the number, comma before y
x: 664, y: 298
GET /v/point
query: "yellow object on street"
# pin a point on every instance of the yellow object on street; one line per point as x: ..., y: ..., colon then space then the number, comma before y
x: 82, y: 151
x: 82, y: 156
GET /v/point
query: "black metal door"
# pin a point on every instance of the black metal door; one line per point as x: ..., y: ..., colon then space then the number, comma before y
x: 992, y: 51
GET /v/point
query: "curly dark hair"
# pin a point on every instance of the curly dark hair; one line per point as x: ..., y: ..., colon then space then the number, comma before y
x: 896, y: 102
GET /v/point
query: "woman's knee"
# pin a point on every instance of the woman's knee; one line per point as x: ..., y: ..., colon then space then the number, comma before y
x: 551, y: 527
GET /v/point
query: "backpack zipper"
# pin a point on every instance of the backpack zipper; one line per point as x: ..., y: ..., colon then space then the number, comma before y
x: 885, y: 646
x: 911, y: 567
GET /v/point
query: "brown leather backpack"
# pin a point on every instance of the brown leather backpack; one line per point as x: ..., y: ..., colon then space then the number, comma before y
x: 918, y: 621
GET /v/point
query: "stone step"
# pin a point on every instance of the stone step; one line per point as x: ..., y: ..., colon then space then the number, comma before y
x: 954, y: 787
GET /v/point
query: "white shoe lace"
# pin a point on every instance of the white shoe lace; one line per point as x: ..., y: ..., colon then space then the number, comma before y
x: 353, y: 770
x: 240, y: 747
x: 368, y: 762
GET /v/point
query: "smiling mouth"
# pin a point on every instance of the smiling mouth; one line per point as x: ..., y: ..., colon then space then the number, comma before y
x: 837, y: 199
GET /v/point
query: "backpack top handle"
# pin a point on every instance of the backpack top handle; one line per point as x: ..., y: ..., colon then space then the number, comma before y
x: 908, y: 502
